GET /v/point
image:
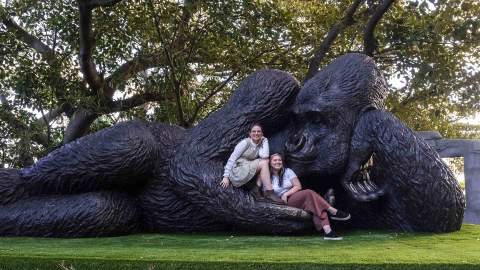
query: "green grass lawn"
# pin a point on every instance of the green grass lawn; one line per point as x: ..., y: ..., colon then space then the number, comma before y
x: 359, y: 250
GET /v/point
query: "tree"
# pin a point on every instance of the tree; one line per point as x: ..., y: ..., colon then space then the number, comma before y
x: 70, y: 68
x: 183, y: 56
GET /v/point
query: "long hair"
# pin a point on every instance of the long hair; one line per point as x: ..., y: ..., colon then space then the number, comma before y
x: 281, y: 173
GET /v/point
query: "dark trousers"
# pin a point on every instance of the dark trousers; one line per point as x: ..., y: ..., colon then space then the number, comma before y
x: 310, y: 201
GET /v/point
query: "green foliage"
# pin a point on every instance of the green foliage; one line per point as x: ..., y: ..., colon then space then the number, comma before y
x: 358, y: 250
x: 434, y: 49
x: 194, y: 53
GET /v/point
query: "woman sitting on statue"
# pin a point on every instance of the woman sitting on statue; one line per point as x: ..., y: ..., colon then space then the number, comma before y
x: 286, y: 185
x: 250, y: 158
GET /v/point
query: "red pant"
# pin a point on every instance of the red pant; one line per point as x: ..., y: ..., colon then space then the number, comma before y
x: 310, y: 201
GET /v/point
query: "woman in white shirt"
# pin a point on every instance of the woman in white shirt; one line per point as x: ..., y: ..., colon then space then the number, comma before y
x: 286, y: 185
x: 249, y: 158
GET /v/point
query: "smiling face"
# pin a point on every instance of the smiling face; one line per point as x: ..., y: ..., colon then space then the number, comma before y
x: 276, y: 162
x: 256, y: 134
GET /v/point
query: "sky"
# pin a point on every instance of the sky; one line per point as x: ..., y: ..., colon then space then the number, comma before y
x: 399, y: 83
x: 474, y: 120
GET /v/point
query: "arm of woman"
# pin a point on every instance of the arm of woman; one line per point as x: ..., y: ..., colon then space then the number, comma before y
x: 264, y: 151
x: 297, y: 186
x: 237, y: 153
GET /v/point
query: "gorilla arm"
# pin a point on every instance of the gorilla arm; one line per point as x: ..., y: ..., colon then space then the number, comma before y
x: 262, y: 97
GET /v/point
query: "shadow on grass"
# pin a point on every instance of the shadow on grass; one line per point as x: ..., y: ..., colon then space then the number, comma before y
x: 32, y: 263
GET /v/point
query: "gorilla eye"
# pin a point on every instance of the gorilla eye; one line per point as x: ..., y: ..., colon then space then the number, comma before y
x: 317, y: 119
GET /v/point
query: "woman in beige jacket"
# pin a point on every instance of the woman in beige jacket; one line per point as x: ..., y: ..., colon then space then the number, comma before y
x: 250, y: 158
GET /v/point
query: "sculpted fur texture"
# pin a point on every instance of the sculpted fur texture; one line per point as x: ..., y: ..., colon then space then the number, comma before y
x: 153, y: 177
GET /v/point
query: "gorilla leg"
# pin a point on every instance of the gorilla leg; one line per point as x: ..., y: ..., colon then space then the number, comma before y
x: 89, y: 214
x: 113, y: 158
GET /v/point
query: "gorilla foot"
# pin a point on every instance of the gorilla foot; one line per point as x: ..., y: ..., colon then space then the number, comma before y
x: 11, y: 188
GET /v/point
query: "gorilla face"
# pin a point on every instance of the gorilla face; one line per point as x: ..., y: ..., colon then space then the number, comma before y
x: 319, y: 143
x: 326, y: 110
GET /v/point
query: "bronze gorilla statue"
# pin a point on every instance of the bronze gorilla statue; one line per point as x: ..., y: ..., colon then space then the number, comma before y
x: 152, y: 177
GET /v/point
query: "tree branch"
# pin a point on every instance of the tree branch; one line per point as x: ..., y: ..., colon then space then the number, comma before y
x: 211, y: 94
x: 46, y: 52
x: 369, y: 41
x: 102, y: 3
x: 176, y: 84
x: 53, y: 114
x: 24, y: 144
x: 230, y: 77
x: 11, y: 119
x: 87, y: 43
x: 132, y: 67
x: 131, y: 102
x: 180, y: 38
x: 322, y: 50
x: 83, y: 118
x: 79, y: 124
x: 145, y: 61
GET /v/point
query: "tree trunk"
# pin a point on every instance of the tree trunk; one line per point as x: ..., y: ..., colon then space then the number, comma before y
x: 79, y: 124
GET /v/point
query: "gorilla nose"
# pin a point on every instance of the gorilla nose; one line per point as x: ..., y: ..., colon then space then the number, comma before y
x: 296, y: 143
x: 300, y: 147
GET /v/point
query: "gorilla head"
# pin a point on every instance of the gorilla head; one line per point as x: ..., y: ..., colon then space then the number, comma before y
x: 326, y: 110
